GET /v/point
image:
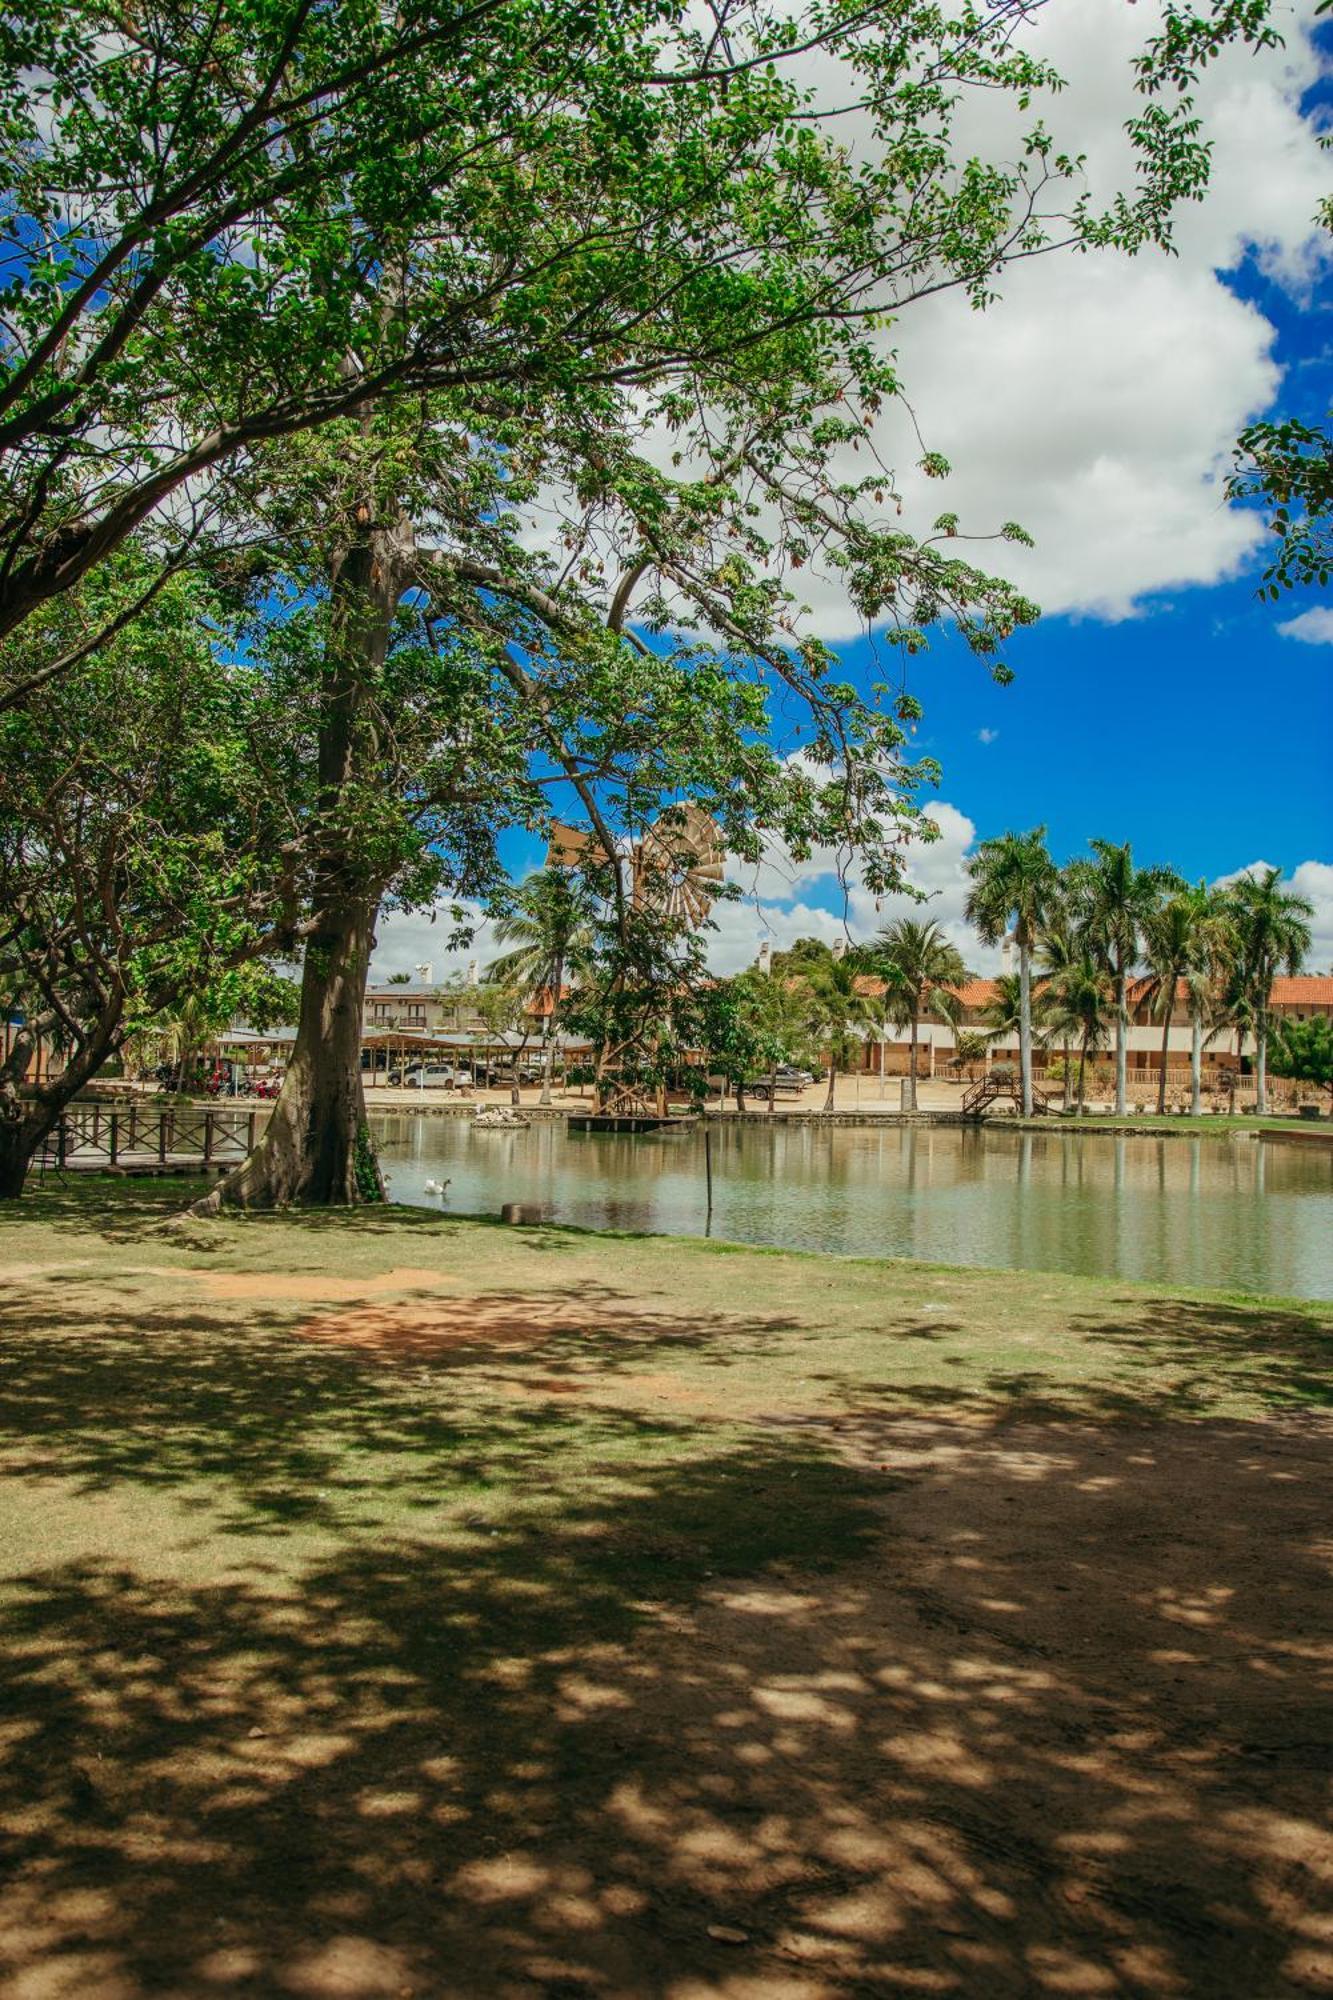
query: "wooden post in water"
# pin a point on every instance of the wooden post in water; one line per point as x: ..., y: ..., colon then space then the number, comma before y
x: 708, y: 1162
x: 208, y: 1138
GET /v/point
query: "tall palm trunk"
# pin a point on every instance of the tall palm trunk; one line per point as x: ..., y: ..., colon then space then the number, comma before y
x: 1166, y: 1043
x: 911, y: 1063
x: 1025, y: 1021
x: 1066, y: 1057
x: 1196, y: 1065
x: 1121, y: 1039
x: 832, y: 1080
x: 548, y: 1028
x: 1261, y: 1061
x: 1082, y: 1073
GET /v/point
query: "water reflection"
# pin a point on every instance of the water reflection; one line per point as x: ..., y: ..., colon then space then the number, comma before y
x: 1232, y: 1212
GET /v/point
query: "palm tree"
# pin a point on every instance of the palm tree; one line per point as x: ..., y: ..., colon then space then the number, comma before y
x: 921, y: 971
x: 836, y: 1008
x: 1189, y: 941
x: 551, y: 924
x: 1058, y: 948
x: 1272, y: 928
x: 1076, y: 1005
x: 1014, y: 881
x: 1115, y: 901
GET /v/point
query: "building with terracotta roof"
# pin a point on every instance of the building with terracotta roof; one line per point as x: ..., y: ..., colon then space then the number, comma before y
x: 1297, y: 999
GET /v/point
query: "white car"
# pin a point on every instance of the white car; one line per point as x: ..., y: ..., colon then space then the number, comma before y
x: 427, y: 1076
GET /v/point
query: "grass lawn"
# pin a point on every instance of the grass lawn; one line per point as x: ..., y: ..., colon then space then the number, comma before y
x: 399, y: 1606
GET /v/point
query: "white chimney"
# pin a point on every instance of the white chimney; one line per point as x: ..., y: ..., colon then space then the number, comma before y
x: 423, y: 973
x: 765, y: 956
x: 473, y: 973
x: 1007, y: 956
x: 840, y: 948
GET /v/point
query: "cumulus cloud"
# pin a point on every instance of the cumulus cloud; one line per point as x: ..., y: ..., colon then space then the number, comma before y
x: 1312, y: 628
x: 1098, y: 401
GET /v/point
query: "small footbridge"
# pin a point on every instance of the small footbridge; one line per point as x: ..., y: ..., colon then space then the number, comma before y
x: 1000, y: 1085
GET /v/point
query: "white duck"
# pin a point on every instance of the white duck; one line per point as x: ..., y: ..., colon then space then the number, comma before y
x: 436, y: 1187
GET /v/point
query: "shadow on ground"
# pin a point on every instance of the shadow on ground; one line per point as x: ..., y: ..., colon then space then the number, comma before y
x: 405, y: 1687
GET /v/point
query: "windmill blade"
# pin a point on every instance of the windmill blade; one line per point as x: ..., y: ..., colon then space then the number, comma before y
x: 574, y: 847
x: 677, y: 863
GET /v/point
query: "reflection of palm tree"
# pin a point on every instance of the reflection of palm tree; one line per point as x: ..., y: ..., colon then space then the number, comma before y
x: 1273, y: 934
x: 1014, y: 881
x: 921, y: 971
x: 551, y: 925
x: 835, y: 1009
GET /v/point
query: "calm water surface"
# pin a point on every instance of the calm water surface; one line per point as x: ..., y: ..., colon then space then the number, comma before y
x: 1238, y: 1213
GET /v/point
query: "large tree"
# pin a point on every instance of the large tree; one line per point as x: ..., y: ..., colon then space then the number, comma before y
x: 150, y: 854
x: 1014, y: 882
x: 226, y: 226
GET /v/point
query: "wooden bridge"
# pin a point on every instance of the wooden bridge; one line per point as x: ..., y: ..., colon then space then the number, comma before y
x: 137, y: 1139
x: 988, y: 1090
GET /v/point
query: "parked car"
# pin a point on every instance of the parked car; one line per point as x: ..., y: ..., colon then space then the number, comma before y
x: 432, y: 1076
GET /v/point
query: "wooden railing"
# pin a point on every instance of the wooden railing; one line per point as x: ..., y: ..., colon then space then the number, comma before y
x: 90, y: 1135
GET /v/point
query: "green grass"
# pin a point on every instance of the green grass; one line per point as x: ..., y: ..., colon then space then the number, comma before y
x: 336, y: 1619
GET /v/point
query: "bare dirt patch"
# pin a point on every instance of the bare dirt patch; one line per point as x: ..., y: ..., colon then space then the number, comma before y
x: 303, y: 1286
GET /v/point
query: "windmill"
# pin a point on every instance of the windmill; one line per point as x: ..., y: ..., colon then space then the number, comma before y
x: 674, y: 869
x: 678, y: 866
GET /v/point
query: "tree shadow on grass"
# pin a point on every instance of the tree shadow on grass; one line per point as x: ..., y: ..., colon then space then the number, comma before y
x: 441, y: 1695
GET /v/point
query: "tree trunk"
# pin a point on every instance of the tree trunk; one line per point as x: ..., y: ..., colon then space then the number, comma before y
x: 1196, y: 1066
x: 26, y: 1122
x: 1166, y: 1043
x: 1064, y: 1093
x: 1025, y: 1022
x: 1082, y: 1074
x: 832, y: 1082
x: 911, y: 1063
x: 1121, y: 1040
x: 19, y: 1141
x: 740, y: 1093
x: 1261, y: 1063
x: 315, y: 1151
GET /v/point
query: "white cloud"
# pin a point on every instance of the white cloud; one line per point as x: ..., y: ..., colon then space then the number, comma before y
x: 405, y: 939
x: 1312, y: 628
x: 1098, y: 401
x: 1314, y: 880
x: 987, y: 735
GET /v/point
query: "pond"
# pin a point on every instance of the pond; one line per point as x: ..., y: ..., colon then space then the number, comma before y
x: 1235, y: 1212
